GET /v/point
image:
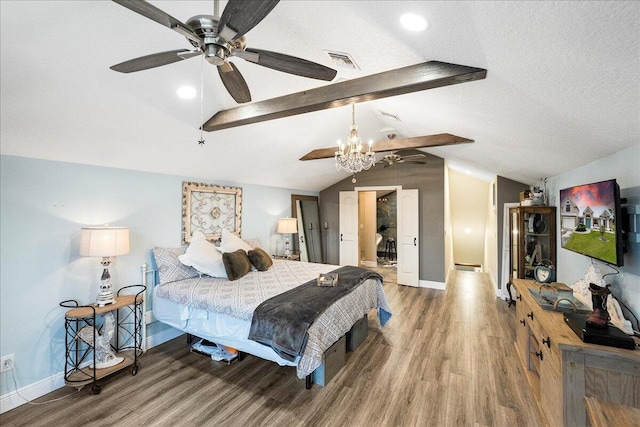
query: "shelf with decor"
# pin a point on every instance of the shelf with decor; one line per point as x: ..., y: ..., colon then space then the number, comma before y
x: 102, y: 340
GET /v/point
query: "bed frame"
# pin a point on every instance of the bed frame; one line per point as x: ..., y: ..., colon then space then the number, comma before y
x: 353, y: 338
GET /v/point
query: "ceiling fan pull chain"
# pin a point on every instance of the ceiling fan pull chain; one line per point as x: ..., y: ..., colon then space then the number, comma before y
x: 201, y: 141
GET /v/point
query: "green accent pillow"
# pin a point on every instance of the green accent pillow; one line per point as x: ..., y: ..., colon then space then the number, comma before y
x: 236, y: 264
x: 260, y: 259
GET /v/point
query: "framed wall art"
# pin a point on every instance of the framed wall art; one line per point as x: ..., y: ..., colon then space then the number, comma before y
x: 210, y: 209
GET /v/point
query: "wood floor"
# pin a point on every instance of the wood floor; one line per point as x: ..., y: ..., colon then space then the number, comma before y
x: 446, y: 358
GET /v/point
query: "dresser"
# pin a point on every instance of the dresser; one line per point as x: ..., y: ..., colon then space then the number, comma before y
x: 562, y: 370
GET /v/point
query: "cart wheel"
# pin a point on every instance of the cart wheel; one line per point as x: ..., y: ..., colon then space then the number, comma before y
x: 134, y: 371
x: 96, y: 389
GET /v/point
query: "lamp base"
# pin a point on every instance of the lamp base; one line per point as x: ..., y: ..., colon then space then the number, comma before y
x: 105, y: 298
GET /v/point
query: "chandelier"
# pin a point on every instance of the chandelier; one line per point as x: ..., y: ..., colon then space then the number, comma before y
x: 350, y: 156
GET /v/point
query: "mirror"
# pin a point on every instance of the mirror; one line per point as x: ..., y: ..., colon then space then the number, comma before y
x: 309, y: 242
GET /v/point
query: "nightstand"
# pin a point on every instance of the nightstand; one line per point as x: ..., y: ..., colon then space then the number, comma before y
x: 80, y: 357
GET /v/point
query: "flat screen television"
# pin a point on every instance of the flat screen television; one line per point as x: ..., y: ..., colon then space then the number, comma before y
x: 591, y: 221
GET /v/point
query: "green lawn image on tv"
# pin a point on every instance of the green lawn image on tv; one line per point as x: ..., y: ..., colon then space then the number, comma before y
x: 592, y: 244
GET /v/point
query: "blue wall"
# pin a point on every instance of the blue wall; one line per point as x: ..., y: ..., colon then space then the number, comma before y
x: 623, y: 166
x: 43, y: 206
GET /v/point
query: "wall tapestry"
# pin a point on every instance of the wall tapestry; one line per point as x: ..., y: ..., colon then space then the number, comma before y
x: 209, y: 209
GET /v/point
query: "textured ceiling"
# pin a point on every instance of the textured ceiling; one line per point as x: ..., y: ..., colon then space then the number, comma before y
x: 562, y: 88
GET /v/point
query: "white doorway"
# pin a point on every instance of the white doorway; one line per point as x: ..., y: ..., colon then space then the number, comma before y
x: 407, y: 249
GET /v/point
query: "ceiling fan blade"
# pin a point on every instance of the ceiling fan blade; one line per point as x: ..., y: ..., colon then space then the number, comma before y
x: 437, y: 140
x: 235, y: 84
x: 150, y: 11
x: 152, y: 61
x: 292, y: 65
x: 240, y: 16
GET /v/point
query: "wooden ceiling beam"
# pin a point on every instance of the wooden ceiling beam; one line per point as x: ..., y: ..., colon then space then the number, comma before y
x: 438, y: 140
x: 414, y: 78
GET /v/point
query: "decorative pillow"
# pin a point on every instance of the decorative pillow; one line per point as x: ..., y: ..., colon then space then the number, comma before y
x: 204, y: 256
x: 231, y: 243
x: 169, y: 266
x: 236, y: 264
x: 260, y: 259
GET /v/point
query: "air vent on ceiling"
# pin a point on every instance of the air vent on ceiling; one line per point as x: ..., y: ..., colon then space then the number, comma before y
x: 342, y: 60
x: 391, y: 116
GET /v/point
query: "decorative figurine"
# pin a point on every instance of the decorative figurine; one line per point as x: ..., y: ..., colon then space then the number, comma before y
x: 105, y: 357
x: 600, y: 315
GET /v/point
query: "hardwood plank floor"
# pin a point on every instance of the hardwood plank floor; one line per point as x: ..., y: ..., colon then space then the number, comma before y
x: 446, y: 358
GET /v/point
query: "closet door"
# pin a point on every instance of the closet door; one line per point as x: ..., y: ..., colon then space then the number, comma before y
x: 408, y: 232
x: 349, y: 228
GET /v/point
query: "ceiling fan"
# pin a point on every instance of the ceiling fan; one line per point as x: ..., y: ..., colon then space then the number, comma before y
x: 393, y: 158
x: 219, y: 39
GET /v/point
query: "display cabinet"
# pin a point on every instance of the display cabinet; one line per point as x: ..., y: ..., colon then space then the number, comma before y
x: 532, y: 239
x: 86, y: 330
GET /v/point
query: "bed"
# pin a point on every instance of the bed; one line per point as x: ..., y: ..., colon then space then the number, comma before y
x: 221, y: 310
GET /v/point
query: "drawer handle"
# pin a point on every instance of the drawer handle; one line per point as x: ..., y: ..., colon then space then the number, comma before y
x: 519, y: 297
x: 547, y: 341
x: 524, y: 322
x: 539, y: 354
x: 530, y: 315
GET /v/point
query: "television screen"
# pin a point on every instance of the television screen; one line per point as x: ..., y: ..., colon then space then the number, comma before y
x: 590, y: 218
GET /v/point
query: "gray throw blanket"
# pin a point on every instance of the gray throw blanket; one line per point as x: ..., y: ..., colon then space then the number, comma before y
x: 282, y: 322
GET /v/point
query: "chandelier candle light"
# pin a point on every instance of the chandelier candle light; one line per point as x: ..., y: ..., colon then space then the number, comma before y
x: 104, y: 242
x: 350, y: 157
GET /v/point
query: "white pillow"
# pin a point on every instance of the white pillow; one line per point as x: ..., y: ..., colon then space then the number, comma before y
x: 204, y: 257
x: 231, y: 243
x: 254, y: 243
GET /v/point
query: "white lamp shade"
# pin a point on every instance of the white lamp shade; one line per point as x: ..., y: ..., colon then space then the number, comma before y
x: 287, y: 225
x: 104, y: 241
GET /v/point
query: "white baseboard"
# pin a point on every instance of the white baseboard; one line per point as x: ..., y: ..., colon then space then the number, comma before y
x: 433, y: 285
x: 32, y: 391
x: 38, y: 389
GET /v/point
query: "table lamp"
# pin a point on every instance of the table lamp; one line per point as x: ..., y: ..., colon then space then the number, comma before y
x: 104, y: 242
x: 287, y: 226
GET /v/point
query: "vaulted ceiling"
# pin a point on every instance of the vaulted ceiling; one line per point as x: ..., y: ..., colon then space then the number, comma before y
x: 562, y: 87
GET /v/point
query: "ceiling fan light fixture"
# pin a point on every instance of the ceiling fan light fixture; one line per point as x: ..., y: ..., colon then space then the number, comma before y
x: 350, y: 156
x: 186, y: 92
x: 414, y: 22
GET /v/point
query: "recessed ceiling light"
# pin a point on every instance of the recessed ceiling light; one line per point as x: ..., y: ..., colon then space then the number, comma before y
x: 413, y: 22
x: 186, y: 92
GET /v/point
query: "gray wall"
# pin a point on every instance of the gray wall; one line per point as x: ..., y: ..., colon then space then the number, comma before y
x: 428, y: 179
x: 508, y: 191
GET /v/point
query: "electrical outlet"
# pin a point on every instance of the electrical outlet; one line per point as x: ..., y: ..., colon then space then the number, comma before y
x: 6, y: 363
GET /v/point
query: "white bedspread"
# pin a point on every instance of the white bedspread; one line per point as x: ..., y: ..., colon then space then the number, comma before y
x: 238, y: 299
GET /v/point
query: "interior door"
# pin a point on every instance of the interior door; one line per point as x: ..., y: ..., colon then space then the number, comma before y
x: 408, y: 232
x: 348, y: 228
